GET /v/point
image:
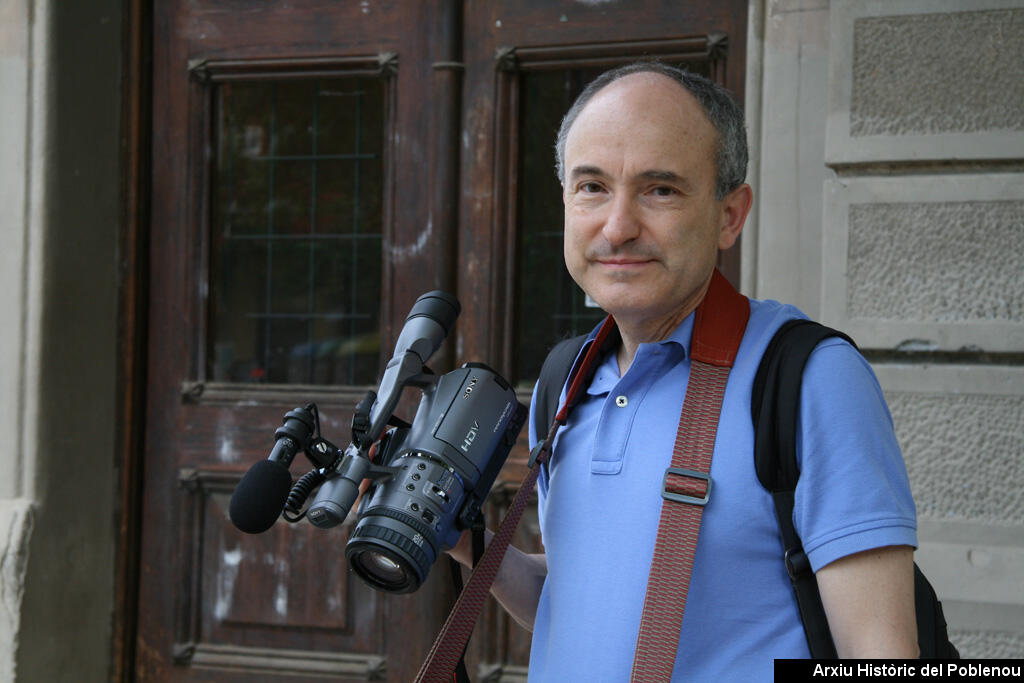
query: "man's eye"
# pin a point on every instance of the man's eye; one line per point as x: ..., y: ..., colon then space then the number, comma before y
x: 663, y: 191
x: 590, y: 187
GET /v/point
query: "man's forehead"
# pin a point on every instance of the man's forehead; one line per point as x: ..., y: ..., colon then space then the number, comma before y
x: 644, y: 87
x: 643, y: 100
x: 645, y: 120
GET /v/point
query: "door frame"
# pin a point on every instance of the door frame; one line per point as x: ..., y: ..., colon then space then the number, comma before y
x: 132, y: 334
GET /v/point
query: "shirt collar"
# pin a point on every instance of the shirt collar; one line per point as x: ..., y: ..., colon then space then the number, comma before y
x: 606, y: 374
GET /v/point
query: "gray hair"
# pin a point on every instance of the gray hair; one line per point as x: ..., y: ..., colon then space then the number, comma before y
x: 719, y: 106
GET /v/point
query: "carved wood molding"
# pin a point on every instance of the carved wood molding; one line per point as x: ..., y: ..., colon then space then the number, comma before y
x: 229, y: 393
x: 195, y: 480
x: 284, y: 663
x: 384, y: 64
x: 690, y: 48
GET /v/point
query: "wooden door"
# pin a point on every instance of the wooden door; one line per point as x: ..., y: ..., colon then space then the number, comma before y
x: 316, y: 166
x: 290, y: 233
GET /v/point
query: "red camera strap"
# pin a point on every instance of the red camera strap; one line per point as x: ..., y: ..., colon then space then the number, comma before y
x: 719, y: 325
x: 717, y: 332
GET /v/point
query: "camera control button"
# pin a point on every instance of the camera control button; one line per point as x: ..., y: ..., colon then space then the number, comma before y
x: 621, y: 401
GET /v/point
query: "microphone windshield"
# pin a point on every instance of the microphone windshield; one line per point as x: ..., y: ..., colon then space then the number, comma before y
x: 260, y: 497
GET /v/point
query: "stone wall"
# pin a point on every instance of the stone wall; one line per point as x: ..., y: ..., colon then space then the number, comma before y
x: 899, y: 218
x: 60, y: 187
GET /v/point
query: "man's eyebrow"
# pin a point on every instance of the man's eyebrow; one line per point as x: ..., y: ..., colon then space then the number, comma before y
x: 667, y: 177
x: 579, y: 171
x: 657, y: 175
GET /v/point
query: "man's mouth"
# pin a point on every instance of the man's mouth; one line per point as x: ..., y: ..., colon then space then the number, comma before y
x: 623, y: 262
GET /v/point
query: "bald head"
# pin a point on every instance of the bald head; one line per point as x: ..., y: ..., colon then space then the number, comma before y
x: 721, y: 111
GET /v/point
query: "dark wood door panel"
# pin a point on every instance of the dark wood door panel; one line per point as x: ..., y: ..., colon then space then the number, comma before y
x: 565, y: 23
x: 244, y: 29
x: 286, y: 590
x: 274, y: 38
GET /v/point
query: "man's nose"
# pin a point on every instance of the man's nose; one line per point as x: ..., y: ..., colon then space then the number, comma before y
x: 622, y: 223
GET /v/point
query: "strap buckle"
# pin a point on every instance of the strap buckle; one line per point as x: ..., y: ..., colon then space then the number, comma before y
x: 682, y: 497
x: 798, y: 565
x: 535, y: 453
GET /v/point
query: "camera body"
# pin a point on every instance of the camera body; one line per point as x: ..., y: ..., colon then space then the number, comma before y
x: 442, y: 468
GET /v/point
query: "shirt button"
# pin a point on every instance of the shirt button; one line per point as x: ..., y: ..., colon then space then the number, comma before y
x: 621, y: 401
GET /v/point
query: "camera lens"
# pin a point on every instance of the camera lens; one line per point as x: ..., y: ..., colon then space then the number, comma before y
x: 391, y: 550
x: 384, y: 566
x: 383, y: 572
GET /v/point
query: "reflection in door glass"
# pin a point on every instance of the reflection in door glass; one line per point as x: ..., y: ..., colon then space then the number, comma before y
x: 295, y: 286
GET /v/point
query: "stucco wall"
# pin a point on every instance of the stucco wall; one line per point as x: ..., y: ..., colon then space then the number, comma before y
x: 19, y: 197
x: 60, y: 71
x: 892, y: 207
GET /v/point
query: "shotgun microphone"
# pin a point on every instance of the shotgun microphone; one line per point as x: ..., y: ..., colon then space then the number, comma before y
x: 260, y: 496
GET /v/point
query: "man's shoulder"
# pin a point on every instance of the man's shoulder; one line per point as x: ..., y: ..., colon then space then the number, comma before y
x: 771, y: 314
x: 766, y: 317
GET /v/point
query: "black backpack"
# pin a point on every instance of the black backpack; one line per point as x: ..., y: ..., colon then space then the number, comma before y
x: 775, y: 404
x: 774, y: 407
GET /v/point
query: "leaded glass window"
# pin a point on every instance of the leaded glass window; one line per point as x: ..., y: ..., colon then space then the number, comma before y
x: 295, y: 287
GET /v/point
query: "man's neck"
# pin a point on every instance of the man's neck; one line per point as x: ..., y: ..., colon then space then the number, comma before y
x: 635, y: 335
x: 643, y: 329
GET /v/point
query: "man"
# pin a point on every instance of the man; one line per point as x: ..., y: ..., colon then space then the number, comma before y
x: 652, y: 163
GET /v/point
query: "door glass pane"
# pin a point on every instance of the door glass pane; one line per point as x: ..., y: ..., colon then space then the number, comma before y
x: 550, y: 304
x: 295, y: 286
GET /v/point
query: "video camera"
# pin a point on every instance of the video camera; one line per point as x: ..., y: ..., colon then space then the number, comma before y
x: 428, y: 479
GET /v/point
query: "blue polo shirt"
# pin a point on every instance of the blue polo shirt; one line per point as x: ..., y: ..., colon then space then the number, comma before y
x: 599, y: 505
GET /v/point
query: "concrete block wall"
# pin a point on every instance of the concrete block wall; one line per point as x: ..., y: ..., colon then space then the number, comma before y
x: 915, y: 162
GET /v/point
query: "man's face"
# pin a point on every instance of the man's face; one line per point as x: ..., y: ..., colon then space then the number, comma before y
x: 642, y: 226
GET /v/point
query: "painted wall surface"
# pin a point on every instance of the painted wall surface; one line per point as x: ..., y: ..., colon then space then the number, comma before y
x: 18, y: 194
x: 892, y: 207
x: 60, y: 72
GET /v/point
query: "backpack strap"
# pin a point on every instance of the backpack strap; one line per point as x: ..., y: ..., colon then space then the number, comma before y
x: 553, y: 375
x: 774, y: 408
x: 775, y: 401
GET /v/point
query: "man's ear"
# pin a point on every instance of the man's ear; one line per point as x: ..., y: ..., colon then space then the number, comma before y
x: 735, y: 207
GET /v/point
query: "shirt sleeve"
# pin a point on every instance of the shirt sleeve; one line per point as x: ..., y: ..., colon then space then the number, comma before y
x: 853, y: 493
